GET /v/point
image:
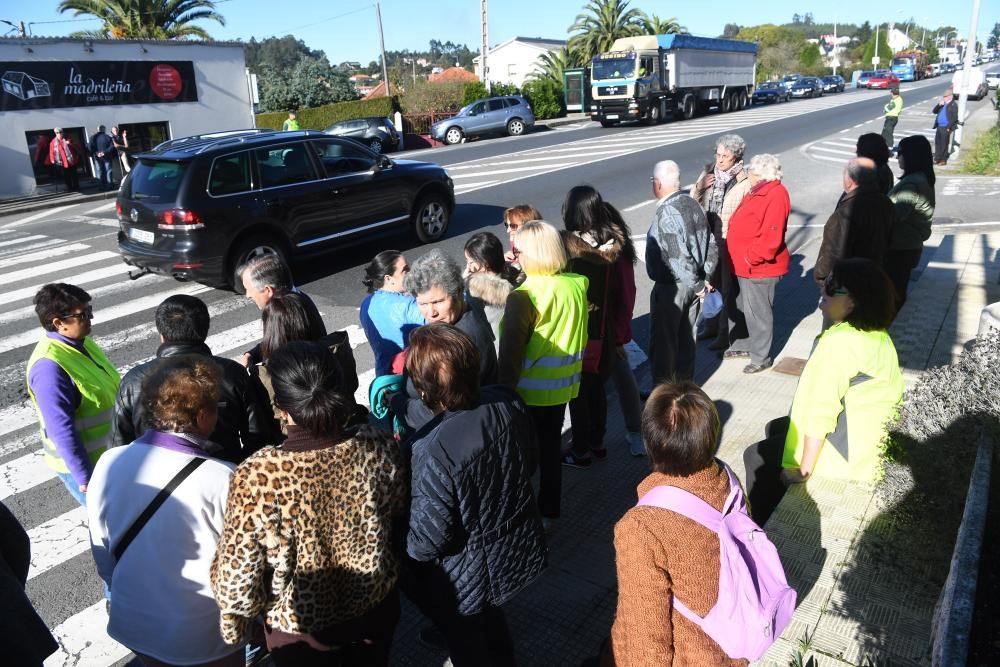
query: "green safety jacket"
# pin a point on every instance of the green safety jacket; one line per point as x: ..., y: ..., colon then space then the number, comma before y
x: 290, y: 126
x: 850, y: 388
x: 97, y: 381
x: 894, y: 107
x: 553, y: 358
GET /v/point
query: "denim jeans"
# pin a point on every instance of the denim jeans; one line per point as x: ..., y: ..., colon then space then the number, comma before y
x: 104, y: 173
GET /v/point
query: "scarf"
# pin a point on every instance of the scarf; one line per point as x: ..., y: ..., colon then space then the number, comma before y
x: 722, y: 179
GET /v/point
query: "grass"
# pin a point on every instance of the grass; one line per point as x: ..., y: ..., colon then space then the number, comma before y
x: 984, y: 157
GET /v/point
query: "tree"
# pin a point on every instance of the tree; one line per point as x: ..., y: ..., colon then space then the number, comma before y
x: 145, y: 19
x: 731, y: 30
x: 279, y: 53
x: 778, y: 49
x: 601, y: 23
x: 864, y: 33
x: 810, y: 60
x: 554, y: 64
x: 994, y: 39
x: 311, y: 83
x: 654, y: 25
x: 884, y: 52
x: 796, y: 19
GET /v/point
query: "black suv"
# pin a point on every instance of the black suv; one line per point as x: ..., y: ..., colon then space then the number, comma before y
x: 379, y: 134
x: 199, y: 207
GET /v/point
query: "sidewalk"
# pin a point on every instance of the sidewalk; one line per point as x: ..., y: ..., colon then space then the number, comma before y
x: 47, y: 197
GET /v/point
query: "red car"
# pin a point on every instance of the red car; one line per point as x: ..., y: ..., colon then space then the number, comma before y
x: 883, y: 79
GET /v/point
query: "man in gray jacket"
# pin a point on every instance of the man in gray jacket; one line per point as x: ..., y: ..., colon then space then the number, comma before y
x: 680, y: 254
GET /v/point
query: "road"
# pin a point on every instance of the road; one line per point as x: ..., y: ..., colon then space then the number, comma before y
x: 77, y: 244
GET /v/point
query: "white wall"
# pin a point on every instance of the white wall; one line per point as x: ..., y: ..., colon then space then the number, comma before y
x: 223, y: 97
x: 512, y: 63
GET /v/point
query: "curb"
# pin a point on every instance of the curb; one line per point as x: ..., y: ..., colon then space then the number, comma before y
x: 31, y: 206
x: 556, y: 122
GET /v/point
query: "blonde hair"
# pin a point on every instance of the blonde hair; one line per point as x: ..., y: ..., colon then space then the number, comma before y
x: 541, y: 249
x: 766, y: 166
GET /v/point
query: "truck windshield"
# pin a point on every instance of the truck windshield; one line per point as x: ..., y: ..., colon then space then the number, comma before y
x: 901, y: 62
x: 612, y: 68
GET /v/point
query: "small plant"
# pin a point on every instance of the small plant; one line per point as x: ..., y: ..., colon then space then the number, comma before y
x: 984, y: 156
x: 805, y: 645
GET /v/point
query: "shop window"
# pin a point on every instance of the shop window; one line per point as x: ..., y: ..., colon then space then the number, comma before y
x: 230, y: 175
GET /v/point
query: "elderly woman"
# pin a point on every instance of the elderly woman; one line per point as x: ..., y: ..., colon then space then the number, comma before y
x: 435, y: 281
x: 475, y: 536
x: 541, y: 348
x: 308, y: 535
x: 662, y: 555
x: 719, y: 190
x: 850, y: 388
x: 72, y: 385
x: 488, y: 276
x: 756, y: 246
x: 913, y: 200
x: 388, y: 313
x: 157, y: 565
x: 872, y: 146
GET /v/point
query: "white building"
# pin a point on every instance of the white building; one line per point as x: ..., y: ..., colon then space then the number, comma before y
x: 156, y: 90
x: 898, y: 41
x: 512, y: 61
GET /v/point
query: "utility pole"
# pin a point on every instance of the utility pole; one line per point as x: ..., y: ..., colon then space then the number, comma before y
x: 963, y: 95
x: 876, y: 60
x: 484, y: 43
x: 835, y: 61
x: 381, y: 45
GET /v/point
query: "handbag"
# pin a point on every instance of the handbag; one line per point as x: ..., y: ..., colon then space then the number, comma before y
x: 154, y: 505
x: 595, y: 346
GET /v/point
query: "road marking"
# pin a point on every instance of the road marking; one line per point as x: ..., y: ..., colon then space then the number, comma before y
x: 58, y: 540
x: 7, y: 278
x: 105, y: 207
x: 500, y: 171
x: 838, y: 151
x: 828, y: 158
x: 83, y: 640
x: 23, y: 473
x: 633, y: 207
x: 37, y: 216
x: 81, y: 279
x: 28, y: 312
x: 237, y: 338
x: 26, y: 239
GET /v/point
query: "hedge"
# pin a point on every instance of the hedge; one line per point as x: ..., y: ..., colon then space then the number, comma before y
x: 319, y: 118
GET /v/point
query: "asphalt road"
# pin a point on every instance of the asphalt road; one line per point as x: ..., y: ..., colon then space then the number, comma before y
x: 77, y: 244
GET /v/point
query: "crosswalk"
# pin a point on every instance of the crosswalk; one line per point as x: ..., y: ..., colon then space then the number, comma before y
x: 124, y: 329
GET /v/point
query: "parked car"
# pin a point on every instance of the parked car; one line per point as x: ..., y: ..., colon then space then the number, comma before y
x: 971, y: 83
x: 199, y: 207
x: 770, y: 92
x: 790, y: 80
x: 992, y: 79
x: 948, y: 68
x: 807, y: 86
x: 883, y: 79
x: 833, y: 83
x: 511, y: 114
x: 865, y: 78
x: 378, y: 133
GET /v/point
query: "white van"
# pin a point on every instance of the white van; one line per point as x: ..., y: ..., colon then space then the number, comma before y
x: 974, y: 81
x: 935, y: 69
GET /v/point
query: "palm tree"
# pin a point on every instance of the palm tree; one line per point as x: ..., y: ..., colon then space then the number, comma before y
x: 601, y: 23
x: 146, y: 19
x: 553, y: 64
x: 654, y: 25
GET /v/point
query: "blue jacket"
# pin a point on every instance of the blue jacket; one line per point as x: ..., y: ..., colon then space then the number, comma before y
x: 388, y: 318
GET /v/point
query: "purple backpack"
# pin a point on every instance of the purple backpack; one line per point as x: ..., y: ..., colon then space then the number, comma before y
x: 755, y: 601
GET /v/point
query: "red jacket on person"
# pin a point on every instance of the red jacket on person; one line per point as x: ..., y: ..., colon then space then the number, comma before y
x: 756, y: 240
x: 70, y: 151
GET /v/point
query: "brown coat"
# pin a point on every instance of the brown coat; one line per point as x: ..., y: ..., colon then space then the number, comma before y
x: 736, y: 190
x: 660, y: 554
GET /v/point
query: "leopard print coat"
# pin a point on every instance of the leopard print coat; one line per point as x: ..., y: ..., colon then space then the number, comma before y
x: 308, y: 533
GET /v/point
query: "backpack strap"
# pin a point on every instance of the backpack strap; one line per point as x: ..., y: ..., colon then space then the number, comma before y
x: 684, y: 503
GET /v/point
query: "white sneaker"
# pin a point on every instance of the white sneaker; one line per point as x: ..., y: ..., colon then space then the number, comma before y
x: 635, y: 446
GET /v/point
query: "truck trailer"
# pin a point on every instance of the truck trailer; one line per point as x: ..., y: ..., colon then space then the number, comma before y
x: 654, y: 77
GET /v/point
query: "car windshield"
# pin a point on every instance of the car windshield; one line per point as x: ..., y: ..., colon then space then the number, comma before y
x: 770, y: 85
x: 792, y: 77
x: 612, y: 68
x: 156, y: 179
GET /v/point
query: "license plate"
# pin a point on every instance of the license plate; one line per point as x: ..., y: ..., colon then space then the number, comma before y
x: 612, y: 116
x: 141, y: 236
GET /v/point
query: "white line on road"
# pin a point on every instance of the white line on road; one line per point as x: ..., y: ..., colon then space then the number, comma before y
x: 8, y: 278
x: 105, y: 207
x: 83, y: 640
x: 26, y: 239
x: 81, y: 279
x: 58, y: 540
x: 836, y: 151
x: 23, y: 473
x: 501, y: 171
x: 37, y: 216
x: 633, y: 207
x: 235, y: 339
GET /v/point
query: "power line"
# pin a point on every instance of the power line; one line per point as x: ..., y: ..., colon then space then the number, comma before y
x: 327, y: 20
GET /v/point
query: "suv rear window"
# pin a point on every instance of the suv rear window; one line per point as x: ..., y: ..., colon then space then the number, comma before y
x: 156, y: 179
x: 230, y: 175
x: 513, y: 101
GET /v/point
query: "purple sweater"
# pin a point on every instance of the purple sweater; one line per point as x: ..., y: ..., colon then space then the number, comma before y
x: 58, y: 398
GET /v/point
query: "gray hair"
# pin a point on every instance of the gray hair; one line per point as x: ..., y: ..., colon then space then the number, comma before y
x: 862, y: 171
x: 733, y: 143
x: 435, y: 269
x: 766, y: 166
x: 268, y: 271
x: 668, y: 174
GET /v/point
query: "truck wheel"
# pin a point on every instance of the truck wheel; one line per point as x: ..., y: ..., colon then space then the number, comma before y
x: 743, y: 99
x: 653, y: 117
x: 688, y: 107
x: 726, y: 105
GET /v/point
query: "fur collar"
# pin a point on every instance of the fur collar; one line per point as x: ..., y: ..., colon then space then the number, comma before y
x: 576, y: 247
x: 491, y: 288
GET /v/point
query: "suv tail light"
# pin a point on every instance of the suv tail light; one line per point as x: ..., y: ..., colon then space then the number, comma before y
x: 119, y: 210
x: 179, y: 219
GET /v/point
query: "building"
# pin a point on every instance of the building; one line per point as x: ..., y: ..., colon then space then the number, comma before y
x: 452, y: 74
x: 156, y: 90
x: 514, y: 60
x: 898, y: 40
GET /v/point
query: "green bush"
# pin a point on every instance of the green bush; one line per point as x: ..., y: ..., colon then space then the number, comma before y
x: 437, y: 97
x: 319, y: 118
x: 984, y: 156
x: 546, y: 98
x: 472, y: 91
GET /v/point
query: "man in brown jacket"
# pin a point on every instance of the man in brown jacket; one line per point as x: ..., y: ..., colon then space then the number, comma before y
x: 720, y: 189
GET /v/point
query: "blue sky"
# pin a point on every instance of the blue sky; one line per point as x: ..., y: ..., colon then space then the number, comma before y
x: 346, y: 29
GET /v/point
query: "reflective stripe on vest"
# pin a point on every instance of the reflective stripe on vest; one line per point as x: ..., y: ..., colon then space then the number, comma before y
x: 553, y: 358
x: 97, y: 381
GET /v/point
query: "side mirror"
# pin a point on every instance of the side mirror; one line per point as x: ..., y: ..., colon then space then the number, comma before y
x: 384, y: 162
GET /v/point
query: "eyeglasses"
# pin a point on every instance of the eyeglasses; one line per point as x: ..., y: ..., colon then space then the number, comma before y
x: 512, y: 226
x: 832, y: 289
x: 86, y: 314
x: 652, y: 179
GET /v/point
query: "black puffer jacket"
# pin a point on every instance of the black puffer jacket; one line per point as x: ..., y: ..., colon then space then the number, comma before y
x: 246, y: 420
x: 475, y: 535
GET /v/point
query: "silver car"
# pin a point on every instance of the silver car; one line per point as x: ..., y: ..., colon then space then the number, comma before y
x: 511, y: 114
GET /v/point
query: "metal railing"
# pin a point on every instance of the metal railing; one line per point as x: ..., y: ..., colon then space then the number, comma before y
x: 420, y: 123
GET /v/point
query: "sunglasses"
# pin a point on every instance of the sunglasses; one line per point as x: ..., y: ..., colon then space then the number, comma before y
x: 86, y: 314
x: 512, y: 226
x: 832, y: 289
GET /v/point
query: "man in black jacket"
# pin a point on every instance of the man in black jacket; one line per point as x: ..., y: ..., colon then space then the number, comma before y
x: 945, y: 122
x: 246, y: 420
x: 102, y: 148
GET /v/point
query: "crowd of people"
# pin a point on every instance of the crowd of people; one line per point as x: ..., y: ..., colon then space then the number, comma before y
x: 275, y: 510
x: 61, y: 155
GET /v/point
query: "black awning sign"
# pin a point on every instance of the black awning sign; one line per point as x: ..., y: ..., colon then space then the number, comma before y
x: 55, y: 85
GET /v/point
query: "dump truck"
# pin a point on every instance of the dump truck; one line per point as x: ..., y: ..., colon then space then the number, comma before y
x: 656, y: 77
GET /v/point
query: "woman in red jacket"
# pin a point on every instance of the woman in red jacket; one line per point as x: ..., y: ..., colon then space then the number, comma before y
x: 756, y: 244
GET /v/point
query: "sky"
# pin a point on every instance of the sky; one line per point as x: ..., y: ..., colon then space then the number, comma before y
x: 347, y: 29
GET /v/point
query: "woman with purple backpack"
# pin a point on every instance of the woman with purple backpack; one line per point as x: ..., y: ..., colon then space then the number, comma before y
x: 684, y: 586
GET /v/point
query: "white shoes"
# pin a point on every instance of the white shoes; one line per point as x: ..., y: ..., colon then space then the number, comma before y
x: 635, y: 446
